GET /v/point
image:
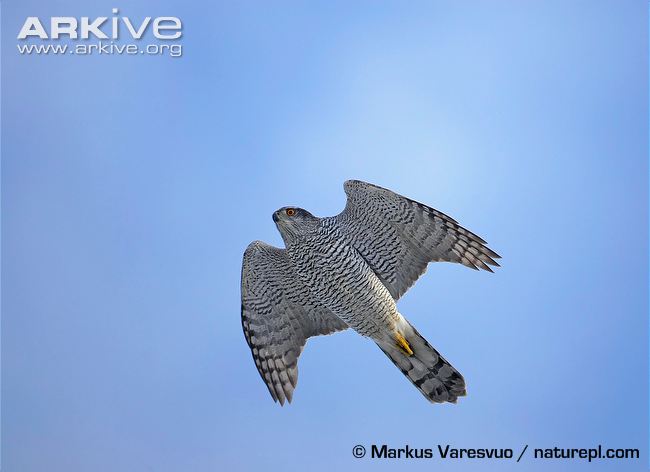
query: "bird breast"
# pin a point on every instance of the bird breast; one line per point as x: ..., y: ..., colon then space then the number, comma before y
x: 338, y: 277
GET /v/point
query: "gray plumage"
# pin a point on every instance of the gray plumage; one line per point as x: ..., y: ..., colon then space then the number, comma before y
x: 348, y: 271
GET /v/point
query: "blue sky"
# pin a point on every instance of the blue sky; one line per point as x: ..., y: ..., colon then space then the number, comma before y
x: 132, y: 185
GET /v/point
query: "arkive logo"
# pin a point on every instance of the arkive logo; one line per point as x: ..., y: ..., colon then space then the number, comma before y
x: 165, y: 30
x: 164, y: 27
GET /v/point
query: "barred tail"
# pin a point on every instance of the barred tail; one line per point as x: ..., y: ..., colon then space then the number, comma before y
x: 425, y: 367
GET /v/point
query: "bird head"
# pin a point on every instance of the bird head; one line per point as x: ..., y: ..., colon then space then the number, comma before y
x: 294, y: 222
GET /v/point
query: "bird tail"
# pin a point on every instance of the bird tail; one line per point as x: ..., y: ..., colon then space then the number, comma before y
x: 424, y: 366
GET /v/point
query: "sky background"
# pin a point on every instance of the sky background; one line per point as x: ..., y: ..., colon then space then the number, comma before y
x: 132, y: 185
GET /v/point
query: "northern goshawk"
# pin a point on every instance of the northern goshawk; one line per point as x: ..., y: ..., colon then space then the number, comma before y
x: 348, y: 271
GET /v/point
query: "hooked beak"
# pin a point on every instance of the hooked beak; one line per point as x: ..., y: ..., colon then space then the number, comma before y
x: 275, y: 217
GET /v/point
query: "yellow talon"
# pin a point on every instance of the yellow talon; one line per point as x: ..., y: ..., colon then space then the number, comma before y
x: 403, y: 344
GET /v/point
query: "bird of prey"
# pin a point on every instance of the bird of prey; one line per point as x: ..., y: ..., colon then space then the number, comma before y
x: 346, y: 271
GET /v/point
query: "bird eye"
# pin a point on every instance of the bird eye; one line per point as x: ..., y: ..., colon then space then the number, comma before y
x: 291, y: 212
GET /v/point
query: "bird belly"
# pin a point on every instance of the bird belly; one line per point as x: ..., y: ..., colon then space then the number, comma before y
x: 339, y: 278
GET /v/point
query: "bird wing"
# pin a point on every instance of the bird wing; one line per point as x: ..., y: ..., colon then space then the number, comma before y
x: 278, y: 316
x: 398, y: 236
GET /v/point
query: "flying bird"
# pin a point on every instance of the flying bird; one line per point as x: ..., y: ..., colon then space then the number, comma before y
x: 349, y: 270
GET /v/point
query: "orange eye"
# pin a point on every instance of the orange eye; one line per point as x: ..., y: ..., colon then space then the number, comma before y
x: 291, y: 212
